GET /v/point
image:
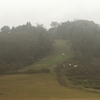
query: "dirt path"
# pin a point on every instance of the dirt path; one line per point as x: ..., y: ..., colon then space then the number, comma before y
x: 59, y: 75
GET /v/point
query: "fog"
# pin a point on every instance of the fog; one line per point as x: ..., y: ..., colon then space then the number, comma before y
x: 18, y: 12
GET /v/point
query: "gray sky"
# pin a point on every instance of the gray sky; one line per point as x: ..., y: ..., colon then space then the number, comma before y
x: 18, y: 12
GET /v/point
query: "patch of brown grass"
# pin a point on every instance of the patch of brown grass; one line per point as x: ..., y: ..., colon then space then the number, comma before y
x: 39, y: 87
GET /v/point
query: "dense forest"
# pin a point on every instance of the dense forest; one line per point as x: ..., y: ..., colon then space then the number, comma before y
x: 23, y: 45
x: 83, y: 39
x: 26, y: 44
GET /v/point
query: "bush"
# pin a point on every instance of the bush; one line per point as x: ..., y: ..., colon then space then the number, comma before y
x: 30, y: 71
x: 3, y: 70
x: 45, y: 70
x: 13, y: 72
x: 86, y: 86
x: 97, y: 87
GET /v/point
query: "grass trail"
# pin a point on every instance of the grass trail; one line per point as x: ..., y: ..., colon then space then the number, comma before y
x: 53, y: 59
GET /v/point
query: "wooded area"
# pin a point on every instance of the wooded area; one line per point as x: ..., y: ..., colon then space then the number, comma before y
x: 23, y: 45
x: 26, y: 44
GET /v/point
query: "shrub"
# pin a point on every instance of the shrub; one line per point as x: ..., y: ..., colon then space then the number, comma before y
x: 13, y: 72
x: 45, y: 70
x: 31, y: 71
x: 97, y: 87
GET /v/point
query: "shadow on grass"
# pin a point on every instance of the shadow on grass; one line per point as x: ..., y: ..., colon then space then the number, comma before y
x: 2, y: 94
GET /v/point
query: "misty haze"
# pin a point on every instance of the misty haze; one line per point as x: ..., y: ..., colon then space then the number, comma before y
x: 49, y: 50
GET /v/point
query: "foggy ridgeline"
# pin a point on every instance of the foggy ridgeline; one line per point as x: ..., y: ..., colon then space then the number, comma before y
x: 26, y: 44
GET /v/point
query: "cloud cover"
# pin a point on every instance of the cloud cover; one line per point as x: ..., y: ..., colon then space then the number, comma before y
x: 18, y: 12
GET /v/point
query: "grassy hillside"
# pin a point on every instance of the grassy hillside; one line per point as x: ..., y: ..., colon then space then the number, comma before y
x: 52, y: 59
x: 39, y: 87
x: 43, y: 86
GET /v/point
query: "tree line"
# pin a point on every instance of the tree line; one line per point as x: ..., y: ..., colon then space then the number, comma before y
x: 23, y: 45
x: 26, y: 44
x: 83, y: 37
x: 83, y: 41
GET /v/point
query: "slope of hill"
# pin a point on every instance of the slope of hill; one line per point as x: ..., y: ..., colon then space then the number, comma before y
x: 43, y: 86
x: 53, y: 59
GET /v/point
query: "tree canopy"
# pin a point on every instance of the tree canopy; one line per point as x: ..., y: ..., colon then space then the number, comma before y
x: 83, y: 37
x: 23, y: 45
x: 26, y: 44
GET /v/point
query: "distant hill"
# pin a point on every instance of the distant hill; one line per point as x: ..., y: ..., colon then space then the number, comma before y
x: 83, y: 39
x: 27, y: 45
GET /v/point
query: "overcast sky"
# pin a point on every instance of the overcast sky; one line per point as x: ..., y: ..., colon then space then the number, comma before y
x: 18, y: 12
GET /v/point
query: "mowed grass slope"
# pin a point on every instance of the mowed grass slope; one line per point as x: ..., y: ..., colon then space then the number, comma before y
x: 52, y: 59
x: 39, y: 87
